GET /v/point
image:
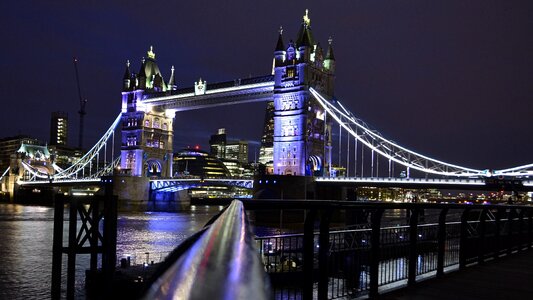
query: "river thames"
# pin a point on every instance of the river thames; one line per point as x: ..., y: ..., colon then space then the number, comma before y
x: 26, y: 244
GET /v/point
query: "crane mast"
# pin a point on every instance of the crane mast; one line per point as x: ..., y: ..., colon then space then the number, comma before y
x: 83, y: 102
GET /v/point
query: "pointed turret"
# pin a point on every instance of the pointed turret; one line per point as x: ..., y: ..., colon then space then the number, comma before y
x: 150, y: 70
x: 280, y: 46
x: 126, y: 79
x: 329, y: 61
x: 172, y: 82
x: 279, y: 53
x: 305, y: 36
x: 142, y: 75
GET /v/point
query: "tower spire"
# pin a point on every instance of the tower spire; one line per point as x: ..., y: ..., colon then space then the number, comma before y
x: 306, y: 19
x: 126, y: 78
x: 172, y: 82
x: 280, y: 45
x: 329, y: 61
x: 150, y: 53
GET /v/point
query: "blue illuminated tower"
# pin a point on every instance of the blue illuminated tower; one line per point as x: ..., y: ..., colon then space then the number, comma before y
x: 302, y: 132
x: 146, y: 131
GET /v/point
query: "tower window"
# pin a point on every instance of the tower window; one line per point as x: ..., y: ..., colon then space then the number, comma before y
x: 291, y: 72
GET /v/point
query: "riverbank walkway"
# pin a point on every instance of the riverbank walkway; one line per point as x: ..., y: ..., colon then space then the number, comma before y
x: 509, y: 277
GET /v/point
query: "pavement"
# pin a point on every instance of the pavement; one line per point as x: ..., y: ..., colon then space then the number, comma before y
x: 509, y: 277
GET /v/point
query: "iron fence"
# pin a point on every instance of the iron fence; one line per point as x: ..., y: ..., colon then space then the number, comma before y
x: 325, y: 263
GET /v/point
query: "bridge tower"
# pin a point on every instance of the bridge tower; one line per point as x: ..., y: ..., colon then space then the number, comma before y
x: 302, y: 132
x: 147, y: 134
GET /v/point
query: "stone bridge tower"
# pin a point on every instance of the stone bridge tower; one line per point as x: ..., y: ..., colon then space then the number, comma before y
x: 302, y: 132
x: 147, y: 132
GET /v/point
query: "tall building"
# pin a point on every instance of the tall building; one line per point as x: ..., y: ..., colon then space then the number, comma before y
x: 266, y: 151
x: 233, y: 150
x: 237, y: 151
x: 198, y: 163
x: 59, y: 128
x: 302, y: 132
x: 217, y: 143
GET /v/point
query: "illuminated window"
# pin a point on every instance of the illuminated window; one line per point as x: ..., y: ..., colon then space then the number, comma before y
x: 290, y: 72
x: 147, y: 123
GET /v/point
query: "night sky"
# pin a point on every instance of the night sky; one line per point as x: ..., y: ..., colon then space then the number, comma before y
x: 450, y: 79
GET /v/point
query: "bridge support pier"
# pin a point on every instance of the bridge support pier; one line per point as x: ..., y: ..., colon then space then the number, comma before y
x: 132, y: 191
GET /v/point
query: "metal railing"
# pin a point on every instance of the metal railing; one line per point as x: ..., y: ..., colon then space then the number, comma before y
x: 219, y: 262
x: 375, y: 249
x: 325, y: 263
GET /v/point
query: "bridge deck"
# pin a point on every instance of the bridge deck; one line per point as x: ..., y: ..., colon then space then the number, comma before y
x: 509, y: 277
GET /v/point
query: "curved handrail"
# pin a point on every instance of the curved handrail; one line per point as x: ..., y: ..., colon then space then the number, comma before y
x: 222, y: 263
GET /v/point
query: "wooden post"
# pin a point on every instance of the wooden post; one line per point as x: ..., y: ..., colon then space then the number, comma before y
x: 72, y: 247
x: 109, y: 243
x: 95, y: 210
x: 57, y: 246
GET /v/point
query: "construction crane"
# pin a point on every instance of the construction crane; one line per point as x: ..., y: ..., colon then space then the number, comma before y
x: 83, y: 102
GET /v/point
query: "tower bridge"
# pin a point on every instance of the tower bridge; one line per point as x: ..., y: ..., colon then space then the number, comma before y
x: 305, y: 113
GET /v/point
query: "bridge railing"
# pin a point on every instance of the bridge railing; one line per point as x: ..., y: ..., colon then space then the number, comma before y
x: 219, y: 262
x: 382, y: 245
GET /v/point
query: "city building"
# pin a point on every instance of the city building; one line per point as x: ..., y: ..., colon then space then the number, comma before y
x: 60, y: 153
x: 217, y: 143
x: 190, y: 162
x: 266, y: 151
x: 10, y: 145
x: 237, y: 151
x: 233, y: 154
x: 59, y: 128
x: 64, y: 156
x: 234, y: 150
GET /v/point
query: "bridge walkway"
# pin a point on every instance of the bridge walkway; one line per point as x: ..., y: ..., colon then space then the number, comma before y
x: 509, y: 277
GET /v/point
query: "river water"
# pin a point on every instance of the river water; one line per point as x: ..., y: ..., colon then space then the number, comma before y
x: 26, y: 244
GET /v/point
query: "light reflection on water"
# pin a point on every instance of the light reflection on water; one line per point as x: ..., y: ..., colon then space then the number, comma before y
x: 26, y: 245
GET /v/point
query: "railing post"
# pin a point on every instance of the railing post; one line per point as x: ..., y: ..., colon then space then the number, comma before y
x: 530, y: 228
x: 441, y: 242
x: 309, y: 240
x: 374, y: 252
x: 413, y: 237
x: 497, y: 225
x: 323, y: 249
x: 510, y: 222
x: 521, y: 239
x: 481, y: 239
x: 463, y: 238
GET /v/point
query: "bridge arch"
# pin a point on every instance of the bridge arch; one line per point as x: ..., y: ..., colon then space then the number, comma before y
x: 154, y: 168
